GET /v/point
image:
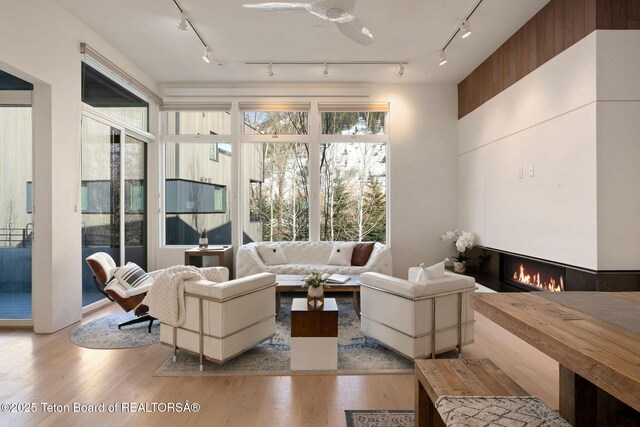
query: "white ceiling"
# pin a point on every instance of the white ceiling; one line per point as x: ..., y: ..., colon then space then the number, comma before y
x: 405, y: 30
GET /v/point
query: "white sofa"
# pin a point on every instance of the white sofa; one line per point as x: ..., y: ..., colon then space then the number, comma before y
x: 305, y: 257
x: 401, y: 314
x: 224, y: 319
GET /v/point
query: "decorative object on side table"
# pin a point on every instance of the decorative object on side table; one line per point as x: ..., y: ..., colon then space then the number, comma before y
x: 204, y: 241
x: 463, y: 240
x: 315, y: 283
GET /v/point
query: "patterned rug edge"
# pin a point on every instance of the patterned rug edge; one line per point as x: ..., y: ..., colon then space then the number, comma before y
x: 350, y: 415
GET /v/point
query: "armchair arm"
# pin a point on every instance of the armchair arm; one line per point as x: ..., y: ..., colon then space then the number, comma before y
x: 450, y: 283
x: 233, y: 288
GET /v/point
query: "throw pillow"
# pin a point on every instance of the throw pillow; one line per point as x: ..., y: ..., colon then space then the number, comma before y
x: 272, y: 254
x: 341, y: 254
x: 361, y: 254
x: 436, y: 271
x: 131, y: 275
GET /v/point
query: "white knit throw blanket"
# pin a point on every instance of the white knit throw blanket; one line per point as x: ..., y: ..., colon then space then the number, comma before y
x: 165, y: 298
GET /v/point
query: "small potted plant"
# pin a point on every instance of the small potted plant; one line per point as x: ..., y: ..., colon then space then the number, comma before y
x: 315, y: 283
x: 463, y: 240
x: 204, y: 241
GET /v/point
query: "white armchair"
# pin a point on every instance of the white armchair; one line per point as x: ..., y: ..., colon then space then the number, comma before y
x: 417, y: 320
x: 224, y: 319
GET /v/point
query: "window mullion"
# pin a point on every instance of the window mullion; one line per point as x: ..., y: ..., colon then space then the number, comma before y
x: 314, y: 173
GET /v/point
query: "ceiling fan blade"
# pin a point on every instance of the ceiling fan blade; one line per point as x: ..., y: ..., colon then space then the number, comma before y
x: 356, y: 31
x: 278, y: 7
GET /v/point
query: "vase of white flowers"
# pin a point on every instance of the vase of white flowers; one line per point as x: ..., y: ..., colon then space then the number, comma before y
x: 462, y: 240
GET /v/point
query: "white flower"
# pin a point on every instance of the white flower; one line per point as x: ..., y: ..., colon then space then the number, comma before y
x: 463, y: 240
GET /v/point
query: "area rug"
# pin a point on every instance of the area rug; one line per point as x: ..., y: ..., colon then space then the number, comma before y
x: 355, y: 355
x: 380, y: 418
x: 103, y: 333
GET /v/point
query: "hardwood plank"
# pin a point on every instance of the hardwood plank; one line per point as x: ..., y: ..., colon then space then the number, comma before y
x: 619, y: 14
x: 558, y: 27
x: 603, y: 14
x: 573, y: 339
x: 549, y: 30
x: 567, y: 14
x: 579, y: 27
x: 590, y: 20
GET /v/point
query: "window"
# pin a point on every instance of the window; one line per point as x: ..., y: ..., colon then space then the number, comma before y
x: 353, y: 172
x: 353, y: 191
x: 276, y: 123
x: 278, y: 205
x: 350, y: 123
x: 196, y: 196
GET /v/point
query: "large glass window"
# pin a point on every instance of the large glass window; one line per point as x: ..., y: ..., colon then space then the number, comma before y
x: 196, y: 193
x: 276, y: 176
x: 16, y: 223
x: 353, y: 185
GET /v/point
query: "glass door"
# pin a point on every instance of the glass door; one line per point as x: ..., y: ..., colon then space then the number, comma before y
x: 16, y: 223
x: 108, y: 155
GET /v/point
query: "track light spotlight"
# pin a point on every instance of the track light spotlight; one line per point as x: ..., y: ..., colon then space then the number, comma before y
x: 270, y: 72
x: 325, y: 70
x: 465, y: 29
x: 207, y: 55
x: 400, y: 72
x: 442, y: 58
x: 183, y: 22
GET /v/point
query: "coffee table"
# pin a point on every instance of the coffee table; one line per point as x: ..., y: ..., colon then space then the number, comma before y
x: 293, y: 283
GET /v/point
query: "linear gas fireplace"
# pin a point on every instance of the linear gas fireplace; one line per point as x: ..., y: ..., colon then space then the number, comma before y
x: 532, y: 275
x: 510, y: 272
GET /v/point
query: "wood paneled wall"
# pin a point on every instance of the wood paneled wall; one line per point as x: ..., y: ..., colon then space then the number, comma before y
x: 558, y: 25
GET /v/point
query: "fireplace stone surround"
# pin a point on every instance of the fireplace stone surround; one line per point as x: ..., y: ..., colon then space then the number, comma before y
x: 487, y: 266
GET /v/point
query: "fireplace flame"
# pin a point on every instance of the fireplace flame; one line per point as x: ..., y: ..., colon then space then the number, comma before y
x: 527, y: 279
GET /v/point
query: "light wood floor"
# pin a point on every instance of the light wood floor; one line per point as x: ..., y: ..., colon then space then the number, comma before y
x: 49, y: 368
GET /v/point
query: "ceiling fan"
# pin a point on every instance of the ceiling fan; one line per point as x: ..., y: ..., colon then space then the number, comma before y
x: 340, y: 12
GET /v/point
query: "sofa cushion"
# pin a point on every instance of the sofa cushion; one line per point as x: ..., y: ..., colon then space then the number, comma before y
x: 361, y: 254
x: 341, y: 254
x: 271, y: 254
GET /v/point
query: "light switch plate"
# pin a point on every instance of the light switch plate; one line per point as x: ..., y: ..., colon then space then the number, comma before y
x: 531, y: 170
x: 520, y: 172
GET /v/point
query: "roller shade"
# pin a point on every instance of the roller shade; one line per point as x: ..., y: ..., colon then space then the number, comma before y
x: 263, y: 106
x: 218, y: 106
x: 329, y: 107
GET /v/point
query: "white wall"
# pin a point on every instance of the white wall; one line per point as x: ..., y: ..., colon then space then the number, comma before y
x: 618, y: 133
x: 423, y: 171
x: 41, y: 44
x: 576, y: 120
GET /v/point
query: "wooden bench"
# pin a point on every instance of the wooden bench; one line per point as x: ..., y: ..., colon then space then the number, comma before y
x: 457, y: 377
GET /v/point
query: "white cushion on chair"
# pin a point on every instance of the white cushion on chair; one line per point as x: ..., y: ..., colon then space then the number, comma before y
x: 131, y: 276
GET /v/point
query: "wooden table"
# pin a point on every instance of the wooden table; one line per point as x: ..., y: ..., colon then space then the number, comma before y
x: 314, y: 335
x: 224, y: 254
x: 457, y: 377
x: 599, y: 362
x: 294, y: 282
